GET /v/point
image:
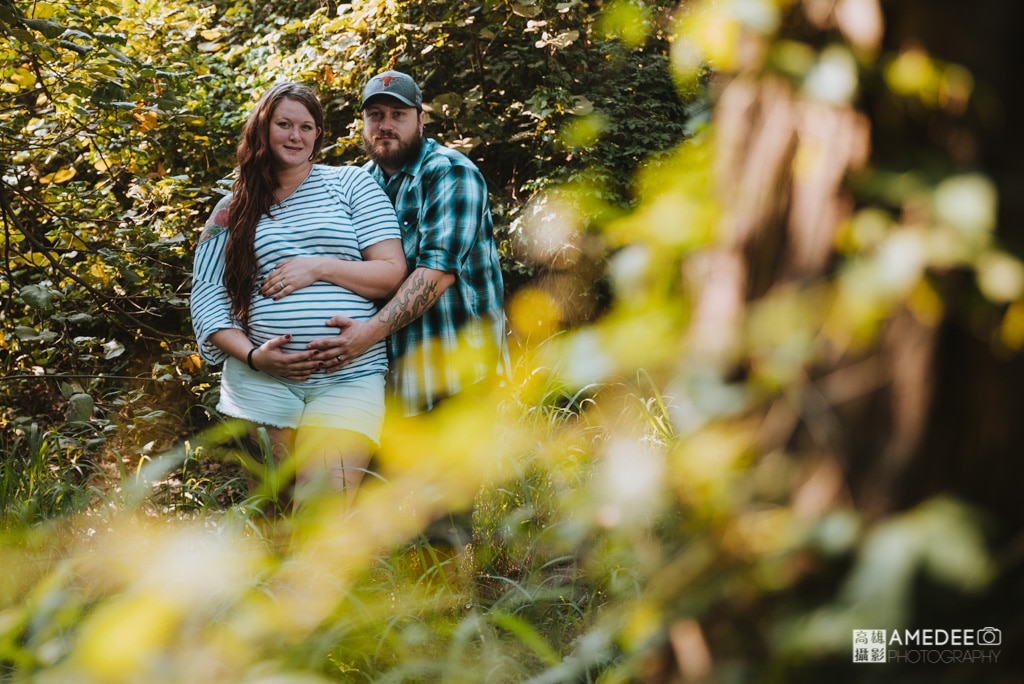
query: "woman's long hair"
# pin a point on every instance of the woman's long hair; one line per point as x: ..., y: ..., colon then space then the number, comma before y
x: 253, y: 191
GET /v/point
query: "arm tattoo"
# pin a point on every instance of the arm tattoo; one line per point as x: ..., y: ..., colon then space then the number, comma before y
x: 417, y: 294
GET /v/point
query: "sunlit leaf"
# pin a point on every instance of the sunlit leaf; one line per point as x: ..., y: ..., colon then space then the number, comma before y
x: 23, y: 78
x: 60, y: 176
x: 145, y: 121
x: 528, y: 10
x: 42, y: 10
x: 112, y: 349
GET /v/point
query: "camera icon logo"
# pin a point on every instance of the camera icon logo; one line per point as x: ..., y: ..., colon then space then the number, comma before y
x: 989, y: 636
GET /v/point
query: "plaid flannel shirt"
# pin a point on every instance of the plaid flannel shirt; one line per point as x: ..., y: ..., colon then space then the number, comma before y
x: 445, y: 218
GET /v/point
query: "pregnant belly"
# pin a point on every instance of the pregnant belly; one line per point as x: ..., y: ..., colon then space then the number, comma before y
x: 304, y: 314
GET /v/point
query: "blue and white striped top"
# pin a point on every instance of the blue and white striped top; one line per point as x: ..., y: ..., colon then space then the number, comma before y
x: 335, y: 211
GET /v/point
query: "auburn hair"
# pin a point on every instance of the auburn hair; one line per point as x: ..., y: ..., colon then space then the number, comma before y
x: 253, y: 191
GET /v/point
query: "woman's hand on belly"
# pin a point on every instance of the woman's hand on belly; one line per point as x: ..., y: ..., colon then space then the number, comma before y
x: 291, y: 275
x: 272, y: 359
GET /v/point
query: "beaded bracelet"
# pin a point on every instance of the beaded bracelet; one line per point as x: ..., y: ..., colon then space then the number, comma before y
x: 248, y: 360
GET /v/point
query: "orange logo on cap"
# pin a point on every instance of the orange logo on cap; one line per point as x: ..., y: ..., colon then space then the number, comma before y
x: 386, y: 80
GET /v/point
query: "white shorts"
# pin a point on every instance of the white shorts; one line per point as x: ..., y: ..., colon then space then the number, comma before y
x: 355, y: 404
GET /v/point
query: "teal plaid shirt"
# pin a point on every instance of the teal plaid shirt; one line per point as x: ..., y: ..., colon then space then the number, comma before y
x: 445, y: 218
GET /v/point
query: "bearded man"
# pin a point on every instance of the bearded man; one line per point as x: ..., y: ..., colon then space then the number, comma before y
x: 445, y: 325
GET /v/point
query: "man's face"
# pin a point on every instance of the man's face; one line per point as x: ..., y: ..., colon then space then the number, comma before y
x: 392, y: 132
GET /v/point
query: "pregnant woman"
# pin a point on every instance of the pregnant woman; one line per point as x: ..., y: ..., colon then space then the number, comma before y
x: 294, y: 244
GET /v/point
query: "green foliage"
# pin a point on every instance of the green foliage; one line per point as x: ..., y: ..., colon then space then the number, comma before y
x: 102, y: 145
x: 41, y: 481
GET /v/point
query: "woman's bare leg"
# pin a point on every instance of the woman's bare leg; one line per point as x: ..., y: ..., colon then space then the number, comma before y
x: 330, y: 461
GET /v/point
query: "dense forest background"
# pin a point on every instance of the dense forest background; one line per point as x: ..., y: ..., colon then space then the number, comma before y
x: 766, y: 306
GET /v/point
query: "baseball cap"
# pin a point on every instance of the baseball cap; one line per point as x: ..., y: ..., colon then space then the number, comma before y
x: 395, y: 84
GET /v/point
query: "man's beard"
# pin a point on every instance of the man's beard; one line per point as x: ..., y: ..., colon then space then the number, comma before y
x: 394, y: 157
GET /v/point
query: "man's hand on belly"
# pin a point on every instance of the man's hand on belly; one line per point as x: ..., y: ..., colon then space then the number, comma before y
x: 353, y: 340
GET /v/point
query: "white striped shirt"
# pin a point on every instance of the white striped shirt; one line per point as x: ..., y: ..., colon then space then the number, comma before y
x: 335, y: 211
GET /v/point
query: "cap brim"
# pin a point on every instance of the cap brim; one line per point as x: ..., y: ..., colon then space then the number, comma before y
x: 393, y: 96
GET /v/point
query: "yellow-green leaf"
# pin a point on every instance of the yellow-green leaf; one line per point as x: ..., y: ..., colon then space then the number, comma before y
x: 42, y: 10
x: 23, y: 78
x: 61, y: 176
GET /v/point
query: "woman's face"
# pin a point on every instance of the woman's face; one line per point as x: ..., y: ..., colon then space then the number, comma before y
x: 293, y: 133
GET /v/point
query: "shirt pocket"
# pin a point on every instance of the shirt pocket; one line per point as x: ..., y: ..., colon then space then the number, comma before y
x: 408, y: 219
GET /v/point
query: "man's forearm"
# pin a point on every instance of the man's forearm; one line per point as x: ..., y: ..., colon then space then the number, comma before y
x: 415, y: 295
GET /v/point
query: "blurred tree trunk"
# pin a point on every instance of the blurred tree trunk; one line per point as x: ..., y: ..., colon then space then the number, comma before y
x: 974, y: 434
x: 931, y: 407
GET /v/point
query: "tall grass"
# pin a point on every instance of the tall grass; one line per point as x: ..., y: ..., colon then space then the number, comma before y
x: 336, y: 595
x: 43, y: 476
